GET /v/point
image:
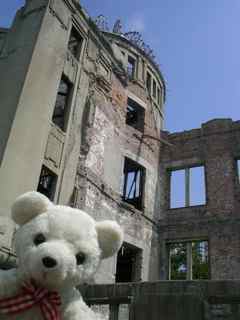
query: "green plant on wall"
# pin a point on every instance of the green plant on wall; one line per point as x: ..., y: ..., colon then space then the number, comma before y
x: 178, y: 260
x: 200, y: 260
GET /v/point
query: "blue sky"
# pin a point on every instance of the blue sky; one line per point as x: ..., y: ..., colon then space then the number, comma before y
x: 196, y: 44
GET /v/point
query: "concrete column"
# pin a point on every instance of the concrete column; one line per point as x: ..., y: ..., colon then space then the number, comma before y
x: 31, y: 65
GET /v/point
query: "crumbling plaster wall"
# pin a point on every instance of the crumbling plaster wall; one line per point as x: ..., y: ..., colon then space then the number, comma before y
x: 88, y: 158
x: 107, y: 141
x: 216, y: 146
x: 101, y: 178
x: 87, y: 134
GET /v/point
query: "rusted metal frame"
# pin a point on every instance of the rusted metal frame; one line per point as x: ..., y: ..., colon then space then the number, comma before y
x: 109, y: 300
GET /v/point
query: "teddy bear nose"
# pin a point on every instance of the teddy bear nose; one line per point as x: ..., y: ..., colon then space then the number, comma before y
x: 49, y: 262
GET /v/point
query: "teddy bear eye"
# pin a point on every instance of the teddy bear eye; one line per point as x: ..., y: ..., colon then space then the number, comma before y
x: 80, y: 257
x: 40, y: 238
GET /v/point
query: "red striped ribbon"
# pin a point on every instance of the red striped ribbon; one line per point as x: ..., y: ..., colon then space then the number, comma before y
x: 48, y: 302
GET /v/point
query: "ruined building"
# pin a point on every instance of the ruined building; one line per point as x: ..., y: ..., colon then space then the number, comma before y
x: 79, y: 125
x: 82, y: 113
x: 206, y: 163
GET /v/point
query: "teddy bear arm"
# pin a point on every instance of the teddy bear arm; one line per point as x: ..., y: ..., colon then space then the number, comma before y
x: 74, y: 307
x: 78, y: 310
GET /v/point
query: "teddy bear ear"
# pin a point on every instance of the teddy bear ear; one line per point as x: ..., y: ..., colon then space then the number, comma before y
x: 110, y: 237
x: 28, y: 206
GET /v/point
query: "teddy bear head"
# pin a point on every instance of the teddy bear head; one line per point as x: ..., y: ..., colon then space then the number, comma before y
x: 58, y: 246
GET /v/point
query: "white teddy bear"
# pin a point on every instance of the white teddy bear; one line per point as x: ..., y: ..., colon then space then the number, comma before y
x: 58, y: 248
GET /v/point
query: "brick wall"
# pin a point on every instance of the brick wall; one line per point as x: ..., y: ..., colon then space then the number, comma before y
x: 215, y: 146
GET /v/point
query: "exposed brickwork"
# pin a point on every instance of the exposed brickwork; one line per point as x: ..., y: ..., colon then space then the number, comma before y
x: 216, y: 146
x: 87, y: 157
x: 107, y: 140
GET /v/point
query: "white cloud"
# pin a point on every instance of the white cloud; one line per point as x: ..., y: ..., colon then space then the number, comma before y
x: 136, y: 23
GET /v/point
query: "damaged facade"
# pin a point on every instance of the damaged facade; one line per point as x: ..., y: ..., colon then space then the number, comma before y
x: 213, y: 221
x: 79, y: 125
x: 82, y: 113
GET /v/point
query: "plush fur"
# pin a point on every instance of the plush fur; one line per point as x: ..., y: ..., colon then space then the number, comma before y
x: 61, y: 233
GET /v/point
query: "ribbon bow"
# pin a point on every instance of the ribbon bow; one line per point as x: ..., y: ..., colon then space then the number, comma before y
x: 48, y: 301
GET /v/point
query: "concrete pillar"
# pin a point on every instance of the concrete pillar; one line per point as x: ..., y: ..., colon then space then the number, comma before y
x: 31, y: 65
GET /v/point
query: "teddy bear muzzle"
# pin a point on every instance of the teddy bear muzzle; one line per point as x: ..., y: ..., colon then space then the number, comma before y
x: 49, y: 262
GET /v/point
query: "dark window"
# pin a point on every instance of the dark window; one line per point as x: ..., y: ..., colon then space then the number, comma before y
x: 60, y: 110
x: 149, y: 83
x: 154, y: 89
x: 47, y: 183
x: 188, y: 260
x: 188, y: 187
x: 134, y: 175
x: 131, y: 67
x: 129, y: 264
x: 75, y: 43
x: 135, y: 115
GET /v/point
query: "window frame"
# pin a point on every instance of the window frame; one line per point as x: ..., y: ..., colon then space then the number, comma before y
x: 237, y: 164
x: 137, y: 264
x: 149, y: 83
x: 154, y: 89
x: 133, y: 62
x: 66, y: 108
x: 128, y: 168
x: 50, y: 193
x: 159, y: 95
x: 77, y: 53
x: 189, y: 257
x: 139, y: 112
x: 187, y: 184
x: 154, y: 86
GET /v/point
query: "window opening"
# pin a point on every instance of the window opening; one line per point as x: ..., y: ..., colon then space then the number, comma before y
x: 154, y: 89
x: 60, y: 110
x: 187, y: 187
x: 75, y: 43
x: 149, y: 83
x: 158, y: 96
x: 188, y: 260
x: 178, y: 261
x: 200, y: 268
x: 197, y: 192
x: 238, y: 170
x: 135, y: 115
x: 131, y: 67
x: 133, y: 183
x: 47, y: 183
x: 129, y: 263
